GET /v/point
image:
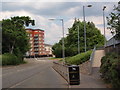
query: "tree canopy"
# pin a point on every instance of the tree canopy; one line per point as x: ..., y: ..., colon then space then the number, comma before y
x: 114, y: 21
x: 93, y: 37
x: 14, y: 36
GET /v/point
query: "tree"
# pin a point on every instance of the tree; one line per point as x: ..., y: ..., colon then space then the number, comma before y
x: 14, y: 36
x: 94, y: 37
x: 0, y: 38
x: 114, y: 21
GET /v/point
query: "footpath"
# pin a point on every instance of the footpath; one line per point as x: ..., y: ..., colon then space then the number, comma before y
x: 93, y: 79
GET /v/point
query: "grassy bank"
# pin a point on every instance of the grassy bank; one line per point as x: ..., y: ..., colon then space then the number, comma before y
x: 79, y: 58
x: 10, y: 59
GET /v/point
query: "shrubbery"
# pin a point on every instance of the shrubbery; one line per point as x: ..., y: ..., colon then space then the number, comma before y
x: 78, y: 59
x: 10, y: 59
x: 110, y: 69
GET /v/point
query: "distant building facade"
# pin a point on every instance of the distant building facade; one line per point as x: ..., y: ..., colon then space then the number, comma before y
x: 36, y: 42
x: 48, y: 50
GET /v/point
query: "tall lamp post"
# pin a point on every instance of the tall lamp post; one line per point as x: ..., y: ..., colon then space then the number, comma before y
x: 85, y: 23
x: 104, y: 25
x: 78, y: 41
x: 63, y: 46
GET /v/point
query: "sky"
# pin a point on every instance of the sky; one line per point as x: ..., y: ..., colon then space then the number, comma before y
x: 41, y: 12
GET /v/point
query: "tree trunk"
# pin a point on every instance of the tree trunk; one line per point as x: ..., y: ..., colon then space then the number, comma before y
x: 12, y: 47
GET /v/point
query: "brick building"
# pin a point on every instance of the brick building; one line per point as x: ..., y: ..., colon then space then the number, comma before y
x: 36, y: 42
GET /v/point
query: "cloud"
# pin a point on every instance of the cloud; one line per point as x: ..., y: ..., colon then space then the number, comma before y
x: 53, y: 32
x: 59, y: 1
x: 108, y: 34
x: 95, y: 19
x: 42, y: 11
x: 58, y: 8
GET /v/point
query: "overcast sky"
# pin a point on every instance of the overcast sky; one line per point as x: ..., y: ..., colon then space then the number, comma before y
x: 42, y: 11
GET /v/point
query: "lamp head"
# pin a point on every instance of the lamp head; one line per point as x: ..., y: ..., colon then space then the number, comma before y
x: 104, y: 7
x: 89, y: 6
x: 51, y: 19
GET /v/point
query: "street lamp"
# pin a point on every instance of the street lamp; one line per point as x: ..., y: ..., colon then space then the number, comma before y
x: 78, y: 41
x: 104, y: 25
x: 85, y: 23
x: 63, y: 47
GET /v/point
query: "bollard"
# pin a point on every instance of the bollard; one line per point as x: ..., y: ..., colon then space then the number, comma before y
x: 74, y: 76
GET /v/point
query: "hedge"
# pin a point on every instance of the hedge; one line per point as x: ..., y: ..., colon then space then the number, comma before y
x: 79, y: 58
x: 10, y: 59
x: 110, y: 69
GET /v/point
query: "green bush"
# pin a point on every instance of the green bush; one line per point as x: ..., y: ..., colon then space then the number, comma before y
x: 79, y: 58
x: 10, y: 59
x: 0, y: 60
x: 110, y: 69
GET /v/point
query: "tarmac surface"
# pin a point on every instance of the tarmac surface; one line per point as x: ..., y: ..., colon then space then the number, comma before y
x: 38, y: 73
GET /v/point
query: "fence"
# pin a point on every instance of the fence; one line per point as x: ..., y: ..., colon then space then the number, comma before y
x: 113, y: 45
x: 113, y: 48
x: 69, y: 73
x: 91, y: 59
x: 62, y: 70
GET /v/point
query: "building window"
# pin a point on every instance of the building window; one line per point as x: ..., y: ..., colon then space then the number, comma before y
x: 31, y: 38
x: 31, y: 42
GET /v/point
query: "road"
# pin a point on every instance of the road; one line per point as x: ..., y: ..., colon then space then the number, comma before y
x: 35, y: 74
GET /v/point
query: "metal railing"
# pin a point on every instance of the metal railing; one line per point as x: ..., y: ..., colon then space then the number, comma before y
x: 91, y: 59
x: 69, y: 73
x: 62, y: 70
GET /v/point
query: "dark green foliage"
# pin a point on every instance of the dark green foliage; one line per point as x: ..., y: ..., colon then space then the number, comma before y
x: 110, y: 69
x: 57, y: 50
x: 93, y: 35
x: 10, y: 59
x: 79, y: 58
x: 114, y: 21
x: 14, y: 38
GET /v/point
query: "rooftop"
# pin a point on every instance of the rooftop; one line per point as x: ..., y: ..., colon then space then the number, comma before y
x: 34, y: 29
x: 48, y: 45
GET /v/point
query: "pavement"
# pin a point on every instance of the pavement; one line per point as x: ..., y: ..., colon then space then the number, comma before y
x: 97, y: 58
x: 92, y: 80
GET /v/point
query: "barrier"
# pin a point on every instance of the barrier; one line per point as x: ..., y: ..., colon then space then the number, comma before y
x: 69, y: 73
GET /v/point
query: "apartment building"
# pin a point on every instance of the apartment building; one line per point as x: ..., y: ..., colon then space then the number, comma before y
x: 37, y: 43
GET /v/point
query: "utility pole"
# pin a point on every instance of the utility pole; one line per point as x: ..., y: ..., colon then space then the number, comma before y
x: 63, y: 46
x: 104, y: 25
x: 85, y: 24
x: 78, y: 41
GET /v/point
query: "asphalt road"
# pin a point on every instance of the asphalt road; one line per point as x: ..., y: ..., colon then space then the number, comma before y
x: 35, y: 74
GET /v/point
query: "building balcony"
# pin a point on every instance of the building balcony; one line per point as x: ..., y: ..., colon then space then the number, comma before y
x: 36, y: 51
x: 36, y: 39
x: 35, y: 36
x: 36, y: 46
